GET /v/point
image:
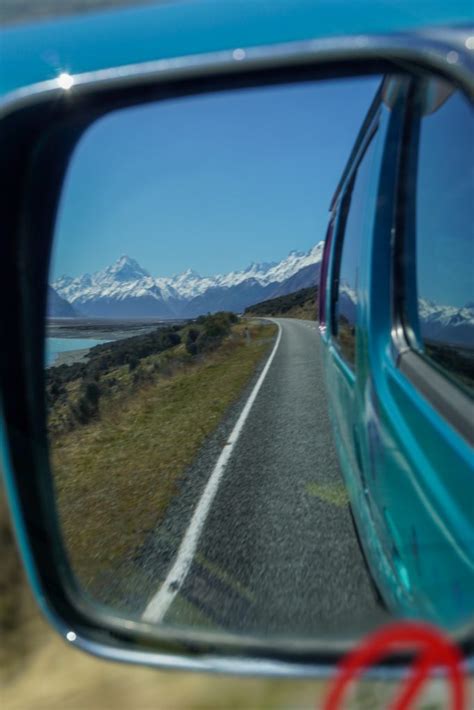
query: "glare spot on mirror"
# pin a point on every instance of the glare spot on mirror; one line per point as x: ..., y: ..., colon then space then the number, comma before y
x: 65, y: 80
x: 239, y: 54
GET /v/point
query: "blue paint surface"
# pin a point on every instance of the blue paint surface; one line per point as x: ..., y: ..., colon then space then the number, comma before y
x: 98, y: 40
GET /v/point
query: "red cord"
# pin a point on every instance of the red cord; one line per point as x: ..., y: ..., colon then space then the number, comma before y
x: 434, y: 650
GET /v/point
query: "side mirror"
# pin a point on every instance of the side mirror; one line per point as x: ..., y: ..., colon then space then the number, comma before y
x: 201, y: 477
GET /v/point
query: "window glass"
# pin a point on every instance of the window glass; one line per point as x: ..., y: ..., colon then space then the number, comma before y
x: 444, y: 223
x: 345, y: 313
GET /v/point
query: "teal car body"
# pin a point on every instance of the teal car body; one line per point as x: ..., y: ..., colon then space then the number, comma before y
x: 406, y: 455
x: 33, y: 53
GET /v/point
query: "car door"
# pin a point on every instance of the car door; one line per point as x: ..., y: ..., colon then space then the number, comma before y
x: 419, y: 407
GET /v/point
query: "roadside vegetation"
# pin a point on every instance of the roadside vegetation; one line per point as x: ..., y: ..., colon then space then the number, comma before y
x: 126, y: 425
x: 299, y: 304
x: 74, y: 391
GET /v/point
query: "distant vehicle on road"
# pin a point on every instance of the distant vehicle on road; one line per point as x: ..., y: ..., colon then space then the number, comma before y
x: 396, y: 315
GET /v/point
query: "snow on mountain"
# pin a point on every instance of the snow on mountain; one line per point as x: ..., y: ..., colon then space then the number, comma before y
x: 447, y: 324
x: 126, y: 286
x: 123, y: 279
x: 124, y: 270
x: 446, y: 315
x: 126, y: 289
x: 293, y: 263
x: 186, y: 285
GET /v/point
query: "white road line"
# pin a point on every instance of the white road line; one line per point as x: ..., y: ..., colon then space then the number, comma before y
x: 161, y: 601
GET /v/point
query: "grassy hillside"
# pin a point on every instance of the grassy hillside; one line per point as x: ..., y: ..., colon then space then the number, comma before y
x: 74, y: 392
x: 300, y: 304
x: 127, y: 425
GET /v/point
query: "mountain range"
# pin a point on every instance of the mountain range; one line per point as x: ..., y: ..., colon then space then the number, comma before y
x: 126, y: 289
x: 447, y: 324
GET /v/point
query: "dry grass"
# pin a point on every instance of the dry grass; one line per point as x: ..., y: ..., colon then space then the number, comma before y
x: 116, y: 476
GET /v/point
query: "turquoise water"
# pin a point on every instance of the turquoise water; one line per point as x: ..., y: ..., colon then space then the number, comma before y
x: 54, y: 346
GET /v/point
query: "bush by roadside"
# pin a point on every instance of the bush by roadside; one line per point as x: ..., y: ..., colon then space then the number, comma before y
x: 74, y: 393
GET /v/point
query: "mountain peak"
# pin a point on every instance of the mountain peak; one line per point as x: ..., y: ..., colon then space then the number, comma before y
x: 125, y: 260
x: 190, y: 273
x: 260, y: 266
x: 317, y: 250
x: 126, y: 269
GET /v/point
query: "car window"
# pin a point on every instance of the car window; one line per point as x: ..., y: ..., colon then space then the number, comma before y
x: 444, y: 236
x: 346, y: 282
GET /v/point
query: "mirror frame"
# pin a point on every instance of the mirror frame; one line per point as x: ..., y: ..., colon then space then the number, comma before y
x: 39, y: 127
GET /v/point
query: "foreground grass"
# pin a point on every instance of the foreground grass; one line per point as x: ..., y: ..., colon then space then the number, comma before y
x: 116, y: 476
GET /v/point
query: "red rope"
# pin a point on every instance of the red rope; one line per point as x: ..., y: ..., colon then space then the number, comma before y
x: 434, y: 651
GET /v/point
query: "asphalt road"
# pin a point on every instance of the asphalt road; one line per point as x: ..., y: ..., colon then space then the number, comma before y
x: 276, y: 551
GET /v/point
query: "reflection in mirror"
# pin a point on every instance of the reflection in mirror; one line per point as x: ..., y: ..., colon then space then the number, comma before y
x: 444, y: 207
x: 219, y: 461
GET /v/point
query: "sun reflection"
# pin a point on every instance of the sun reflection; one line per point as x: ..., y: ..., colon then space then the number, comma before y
x: 65, y: 80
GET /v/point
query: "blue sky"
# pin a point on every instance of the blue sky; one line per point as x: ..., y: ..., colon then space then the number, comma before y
x: 444, y: 205
x: 212, y: 182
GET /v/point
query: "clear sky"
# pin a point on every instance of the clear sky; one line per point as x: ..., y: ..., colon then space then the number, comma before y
x: 211, y: 183
x: 444, y: 204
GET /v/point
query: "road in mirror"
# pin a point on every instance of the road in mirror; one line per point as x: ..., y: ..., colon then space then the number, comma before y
x: 190, y: 392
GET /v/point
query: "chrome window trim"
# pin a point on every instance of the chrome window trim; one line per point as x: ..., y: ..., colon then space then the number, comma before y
x: 442, y: 51
x: 446, y: 398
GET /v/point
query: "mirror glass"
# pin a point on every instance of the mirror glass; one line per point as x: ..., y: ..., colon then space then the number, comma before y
x: 233, y: 440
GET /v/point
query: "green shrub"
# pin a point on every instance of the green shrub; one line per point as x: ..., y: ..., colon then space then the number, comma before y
x: 191, y: 338
x: 91, y: 393
x: 142, y: 375
x: 132, y: 362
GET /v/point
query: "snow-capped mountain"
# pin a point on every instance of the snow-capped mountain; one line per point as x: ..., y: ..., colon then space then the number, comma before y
x: 125, y: 289
x: 447, y: 324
